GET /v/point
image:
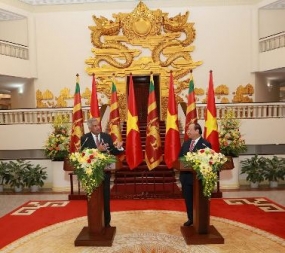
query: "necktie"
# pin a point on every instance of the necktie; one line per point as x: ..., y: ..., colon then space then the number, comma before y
x: 192, y: 146
x: 97, y: 140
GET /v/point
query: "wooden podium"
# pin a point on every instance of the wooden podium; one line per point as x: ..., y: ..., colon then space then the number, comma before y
x: 96, y: 234
x: 201, y: 232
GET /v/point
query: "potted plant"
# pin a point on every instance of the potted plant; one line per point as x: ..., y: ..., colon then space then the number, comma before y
x: 231, y: 141
x: 17, y: 172
x: 4, y: 175
x: 253, y: 167
x: 274, y: 170
x: 34, y: 176
x: 56, y: 147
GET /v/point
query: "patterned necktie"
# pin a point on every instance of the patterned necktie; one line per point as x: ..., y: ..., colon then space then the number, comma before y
x: 97, y: 140
x: 192, y: 146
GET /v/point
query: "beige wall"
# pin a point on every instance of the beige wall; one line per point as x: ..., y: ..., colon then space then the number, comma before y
x: 262, y: 92
x: 226, y: 42
x: 273, y: 59
x: 15, y: 31
x: 223, y: 43
x: 24, y: 97
x: 271, y: 22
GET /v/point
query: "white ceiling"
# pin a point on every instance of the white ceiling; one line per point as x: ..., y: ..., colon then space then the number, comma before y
x: 53, y: 2
x: 280, y: 4
x: 274, y: 5
x: 7, y: 15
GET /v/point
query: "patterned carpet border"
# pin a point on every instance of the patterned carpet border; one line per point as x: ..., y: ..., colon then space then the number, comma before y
x: 171, y: 239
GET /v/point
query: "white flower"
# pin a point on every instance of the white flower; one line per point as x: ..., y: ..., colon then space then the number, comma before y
x: 206, y: 162
x: 89, y: 167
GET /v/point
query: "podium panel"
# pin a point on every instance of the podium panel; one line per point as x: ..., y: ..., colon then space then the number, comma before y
x: 201, y: 232
x: 96, y: 234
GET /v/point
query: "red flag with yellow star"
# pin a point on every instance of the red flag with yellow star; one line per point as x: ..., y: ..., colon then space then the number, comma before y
x: 77, y: 120
x: 211, y: 133
x: 191, y: 111
x: 134, y: 153
x: 172, y: 139
x: 153, y: 150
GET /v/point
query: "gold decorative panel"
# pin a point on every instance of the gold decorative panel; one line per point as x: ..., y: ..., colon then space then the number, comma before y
x: 140, y: 42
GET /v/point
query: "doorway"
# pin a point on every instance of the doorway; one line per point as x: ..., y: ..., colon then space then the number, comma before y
x: 141, y: 90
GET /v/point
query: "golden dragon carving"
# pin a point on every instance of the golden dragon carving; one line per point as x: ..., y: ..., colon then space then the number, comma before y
x: 107, y: 27
x: 175, y: 26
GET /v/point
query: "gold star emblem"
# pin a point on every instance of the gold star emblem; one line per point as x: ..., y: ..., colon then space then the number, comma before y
x: 211, y: 123
x: 171, y: 122
x: 132, y: 123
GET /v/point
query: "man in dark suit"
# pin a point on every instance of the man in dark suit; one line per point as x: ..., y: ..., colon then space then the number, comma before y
x: 103, y: 142
x: 194, y: 143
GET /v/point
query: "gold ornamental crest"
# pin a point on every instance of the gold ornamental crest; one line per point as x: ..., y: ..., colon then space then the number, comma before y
x: 141, y: 22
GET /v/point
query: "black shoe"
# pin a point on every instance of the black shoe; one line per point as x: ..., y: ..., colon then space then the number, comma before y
x: 188, y: 223
x: 108, y: 225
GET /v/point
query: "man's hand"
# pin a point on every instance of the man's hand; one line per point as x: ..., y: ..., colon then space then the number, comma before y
x: 103, y: 147
x: 119, y: 145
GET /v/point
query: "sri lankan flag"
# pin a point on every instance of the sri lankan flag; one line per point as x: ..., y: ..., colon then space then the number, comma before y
x: 134, y: 154
x: 191, y: 112
x: 172, y: 139
x: 211, y: 126
x: 115, y: 125
x: 94, y: 107
x: 153, y: 150
x: 77, y: 120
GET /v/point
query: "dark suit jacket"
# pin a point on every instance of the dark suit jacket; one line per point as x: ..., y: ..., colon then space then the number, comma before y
x: 187, y: 176
x: 202, y: 143
x: 87, y: 141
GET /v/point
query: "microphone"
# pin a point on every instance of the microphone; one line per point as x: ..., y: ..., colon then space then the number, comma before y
x: 84, y: 143
x: 204, y: 145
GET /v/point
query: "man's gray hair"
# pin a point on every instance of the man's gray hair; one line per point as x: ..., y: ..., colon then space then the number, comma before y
x: 91, y: 120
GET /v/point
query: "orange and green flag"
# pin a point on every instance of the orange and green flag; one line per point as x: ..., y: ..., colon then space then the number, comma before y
x: 94, y: 107
x: 134, y: 153
x: 211, y: 133
x: 191, y: 111
x: 77, y: 120
x: 115, y: 124
x: 153, y: 150
x: 172, y: 139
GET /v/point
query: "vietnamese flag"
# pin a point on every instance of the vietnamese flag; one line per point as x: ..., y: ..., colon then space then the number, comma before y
x: 211, y: 126
x: 191, y: 112
x: 77, y: 120
x: 153, y: 150
x: 172, y: 139
x: 134, y: 153
x: 94, y: 108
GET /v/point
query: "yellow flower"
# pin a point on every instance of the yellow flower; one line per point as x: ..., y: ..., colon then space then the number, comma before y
x: 88, y: 171
x: 89, y: 167
x: 231, y: 142
x: 57, y: 144
x: 206, y: 162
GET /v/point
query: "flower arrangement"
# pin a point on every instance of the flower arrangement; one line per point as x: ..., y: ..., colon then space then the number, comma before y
x: 231, y: 142
x: 206, y: 162
x: 57, y: 143
x: 89, y: 167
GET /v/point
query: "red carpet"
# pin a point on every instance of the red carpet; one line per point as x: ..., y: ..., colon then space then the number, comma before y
x: 257, y: 212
